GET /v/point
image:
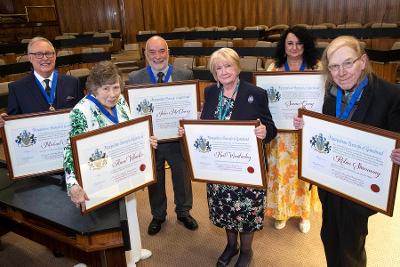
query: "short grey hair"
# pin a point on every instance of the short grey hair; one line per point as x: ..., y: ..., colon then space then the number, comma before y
x: 103, y: 73
x: 38, y: 39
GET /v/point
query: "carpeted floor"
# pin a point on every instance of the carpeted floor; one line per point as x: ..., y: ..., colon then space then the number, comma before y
x: 177, y: 246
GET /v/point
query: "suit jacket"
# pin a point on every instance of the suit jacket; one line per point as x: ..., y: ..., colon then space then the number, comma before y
x: 25, y: 96
x: 251, y: 103
x: 141, y: 76
x: 379, y: 106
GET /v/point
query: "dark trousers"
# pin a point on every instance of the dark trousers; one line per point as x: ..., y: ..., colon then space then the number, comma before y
x: 183, y: 198
x: 343, y: 232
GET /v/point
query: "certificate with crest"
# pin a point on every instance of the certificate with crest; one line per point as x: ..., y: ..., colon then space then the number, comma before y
x: 34, y: 143
x: 167, y: 103
x: 349, y: 159
x: 289, y: 91
x: 114, y: 161
x: 224, y: 152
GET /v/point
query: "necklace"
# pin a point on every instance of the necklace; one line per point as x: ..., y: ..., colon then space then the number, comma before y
x: 224, y: 108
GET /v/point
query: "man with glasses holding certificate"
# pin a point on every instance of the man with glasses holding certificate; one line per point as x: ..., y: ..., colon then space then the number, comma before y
x: 44, y: 88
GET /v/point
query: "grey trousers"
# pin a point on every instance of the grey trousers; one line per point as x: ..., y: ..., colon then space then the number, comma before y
x: 183, y: 198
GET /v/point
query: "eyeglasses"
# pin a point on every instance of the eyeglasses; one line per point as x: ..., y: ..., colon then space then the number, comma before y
x: 40, y: 55
x: 348, y: 64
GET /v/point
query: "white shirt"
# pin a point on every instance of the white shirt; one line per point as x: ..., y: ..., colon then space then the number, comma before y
x: 41, y: 79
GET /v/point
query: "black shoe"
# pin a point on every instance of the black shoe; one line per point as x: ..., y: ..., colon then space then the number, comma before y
x: 245, y: 260
x: 155, y: 226
x: 223, y: 261
x: 189, y: 222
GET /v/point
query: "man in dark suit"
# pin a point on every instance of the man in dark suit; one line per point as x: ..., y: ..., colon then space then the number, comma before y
x: 157, y: 71
x: 43, y: 89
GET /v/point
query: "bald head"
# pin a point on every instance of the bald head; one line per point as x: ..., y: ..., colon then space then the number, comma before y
x: 157, y: 53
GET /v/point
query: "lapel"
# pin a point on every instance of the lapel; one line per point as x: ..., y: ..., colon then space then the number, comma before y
x: 58, y: 99
x: 211, y: 103
x: 240, y: 98
x: 173, y: 74
x: 363, y: 105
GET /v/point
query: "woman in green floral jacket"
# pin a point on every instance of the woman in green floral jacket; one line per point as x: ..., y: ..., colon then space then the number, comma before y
x: 103, y: 106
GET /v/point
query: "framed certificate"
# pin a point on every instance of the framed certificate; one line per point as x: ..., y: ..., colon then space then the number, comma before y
x: 224, y: 152
x: 349, y: 159
x: 114, y: 161
x: 34, y: 143
x: 167, y: 103
x: 289, y: 91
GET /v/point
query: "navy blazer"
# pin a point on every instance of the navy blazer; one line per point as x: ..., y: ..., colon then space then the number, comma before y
x: 25, y: 96
x: 251, y: 103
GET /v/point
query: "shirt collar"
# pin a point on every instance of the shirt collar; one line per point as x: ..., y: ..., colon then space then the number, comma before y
x: 165, y: 70
x: 41, y: 79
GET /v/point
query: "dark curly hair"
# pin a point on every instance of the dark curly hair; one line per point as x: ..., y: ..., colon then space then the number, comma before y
x: 310, y: 52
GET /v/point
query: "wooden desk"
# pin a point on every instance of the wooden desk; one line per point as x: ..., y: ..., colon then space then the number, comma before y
x: 38, y: 209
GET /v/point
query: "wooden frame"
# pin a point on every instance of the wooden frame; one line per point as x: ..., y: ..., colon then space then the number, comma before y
x: 167, y: 103
x: 224, y: 152
x: 289, y: 91
x: 34, y: 143
x: 349, y: 159
x: 114, y: 161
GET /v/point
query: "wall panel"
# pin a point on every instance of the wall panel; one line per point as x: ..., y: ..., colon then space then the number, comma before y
x: 88, y: 15
x: 165, y: 15
x: 7, y: 7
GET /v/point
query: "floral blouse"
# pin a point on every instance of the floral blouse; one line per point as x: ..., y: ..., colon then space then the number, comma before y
x: 85, y: 117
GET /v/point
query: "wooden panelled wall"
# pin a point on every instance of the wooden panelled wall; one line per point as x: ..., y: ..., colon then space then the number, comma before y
x: 130, y: 16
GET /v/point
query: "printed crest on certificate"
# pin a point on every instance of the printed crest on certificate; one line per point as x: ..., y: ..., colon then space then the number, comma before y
x: 114, y: 161
x: 349, y: 159
x: 167, y: 103
x: 224, y: 152
x: 289, y: 91
x: 34, y: 143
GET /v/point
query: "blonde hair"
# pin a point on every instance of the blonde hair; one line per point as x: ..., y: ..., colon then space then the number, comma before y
x: 227, y: 54
x: 339, y: 42
x: 103, y: 73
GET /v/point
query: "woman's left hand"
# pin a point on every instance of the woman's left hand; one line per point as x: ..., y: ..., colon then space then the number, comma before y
x: 153, y: 141
x: 261, y: 131
x: 395, y: 156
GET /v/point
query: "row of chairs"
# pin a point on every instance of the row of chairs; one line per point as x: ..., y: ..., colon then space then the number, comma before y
x: 60, y: 53
x: 227, y: 43
x: 247, y: 63
x: 280, y: 27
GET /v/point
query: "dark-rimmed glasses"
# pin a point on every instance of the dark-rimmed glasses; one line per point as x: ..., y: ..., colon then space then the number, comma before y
x: 40, y: 55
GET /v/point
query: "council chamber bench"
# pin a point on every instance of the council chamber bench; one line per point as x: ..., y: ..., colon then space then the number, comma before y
x: 39, y: 209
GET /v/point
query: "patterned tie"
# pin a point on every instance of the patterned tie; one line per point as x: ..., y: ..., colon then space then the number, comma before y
x: 47, y: 89
x: 160, y: 76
